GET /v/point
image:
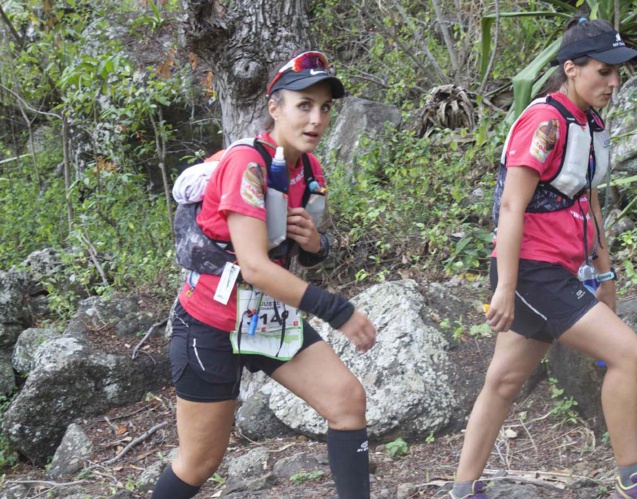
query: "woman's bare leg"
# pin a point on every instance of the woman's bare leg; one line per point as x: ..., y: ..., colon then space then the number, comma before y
x: 603, y: 335
x: 320, y: 378
x: 513, y: 361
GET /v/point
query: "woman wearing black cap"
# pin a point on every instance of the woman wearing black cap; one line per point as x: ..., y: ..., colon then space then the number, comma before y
x: 207, y: 352
x: 549, y: 240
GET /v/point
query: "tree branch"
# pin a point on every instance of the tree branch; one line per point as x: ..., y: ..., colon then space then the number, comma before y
x: 423, y: 45
x: 14, y: 33
x: 446, y: 37
x: 139, y: 439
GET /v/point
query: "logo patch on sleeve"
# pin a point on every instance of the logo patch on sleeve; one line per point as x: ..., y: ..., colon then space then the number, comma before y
x: 252, y: 186
x: 544, y: 139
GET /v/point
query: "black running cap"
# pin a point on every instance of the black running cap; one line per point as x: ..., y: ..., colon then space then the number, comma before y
x: 607, y: 47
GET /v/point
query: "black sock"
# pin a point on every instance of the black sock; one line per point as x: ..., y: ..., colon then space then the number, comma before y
x: 348, y: 454
x: 170, y: 486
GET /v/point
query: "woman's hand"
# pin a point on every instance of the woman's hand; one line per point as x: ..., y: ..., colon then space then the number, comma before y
x: 301, y: 229
x: 607, y: 293
x: 502, y: 310
x: 360, y: 331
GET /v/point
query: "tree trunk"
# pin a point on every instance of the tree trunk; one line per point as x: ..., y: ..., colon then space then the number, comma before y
x: 243, y: 43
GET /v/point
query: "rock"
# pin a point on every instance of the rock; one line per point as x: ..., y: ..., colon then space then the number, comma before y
x: 623, y: 155
x: 71, y: 455
x: 407, y: 375
x: 256, y: 421
x: 238, y: 489
x: 124, y: 314
x: 14, y: 311
x: 9, y: 334
x: 7, y: 377
x: 249, y: 465
x: 581, y: 377
x: 27, y: 345
x: 15, y: 492
x: 284, y: 468
x: 615, y: 227
x: 358, y: 118
x: 50, y: 266
x: 249, y: 472
x: 147, y: 480
x: 627, y: 311
x: 406, y: 490
x: 71, y: 379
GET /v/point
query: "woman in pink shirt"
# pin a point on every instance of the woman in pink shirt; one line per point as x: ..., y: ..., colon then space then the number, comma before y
x: 249, y: 315
x: 549, y: 240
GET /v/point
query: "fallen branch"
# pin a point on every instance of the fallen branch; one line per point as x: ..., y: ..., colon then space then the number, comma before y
x: 148, y: 333
x: 134, y: 443
x: 45, y: 482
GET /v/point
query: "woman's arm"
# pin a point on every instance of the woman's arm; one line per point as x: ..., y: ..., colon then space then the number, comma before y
x: 250, y: 242
x: 519, y: 186
x: 606, y: 292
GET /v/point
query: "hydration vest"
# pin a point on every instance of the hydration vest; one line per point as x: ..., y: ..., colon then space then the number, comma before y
x: 195, y: 251
x: 584, y: 165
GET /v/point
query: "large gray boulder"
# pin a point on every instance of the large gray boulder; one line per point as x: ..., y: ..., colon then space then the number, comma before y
x: 74, y: 376
x: 409, y: 381
x: 358, y: 120
x: 7, y: 378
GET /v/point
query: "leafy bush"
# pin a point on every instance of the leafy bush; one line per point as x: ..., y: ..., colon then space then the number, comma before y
x: 397, y: 448
x: 407, y: 202
x: 31, y: 219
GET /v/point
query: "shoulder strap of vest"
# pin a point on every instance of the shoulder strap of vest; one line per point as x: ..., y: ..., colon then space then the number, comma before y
x: 566, y: 114
x: 308, y: 173
x: 259, y: 145
x: 595, y: 121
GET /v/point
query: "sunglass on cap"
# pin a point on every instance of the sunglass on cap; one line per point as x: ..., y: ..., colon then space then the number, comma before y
x: 302, y: 62
x: 606, y: 47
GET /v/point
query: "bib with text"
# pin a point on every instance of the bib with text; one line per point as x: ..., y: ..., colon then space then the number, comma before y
x: 279, y: 329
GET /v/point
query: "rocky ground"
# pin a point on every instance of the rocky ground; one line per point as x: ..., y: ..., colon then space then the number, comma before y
x: 543, y: 452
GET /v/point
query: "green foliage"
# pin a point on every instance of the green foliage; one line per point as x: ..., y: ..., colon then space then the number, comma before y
x: 380, y: 48
x: 306, y: 476
x: 407, y: 201
x: 35, y: 219
x: 75, y: 68
x: 217, y: 478
x: 397, y: 448
x: 563, y: 407
x: 481, y: 331
x: 627, y: 257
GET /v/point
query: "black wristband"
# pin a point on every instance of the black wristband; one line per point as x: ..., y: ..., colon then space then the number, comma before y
x: 332, y: 308
x: 308, y: 259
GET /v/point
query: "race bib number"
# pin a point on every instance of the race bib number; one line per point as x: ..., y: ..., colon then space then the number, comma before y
x: 278, y: 332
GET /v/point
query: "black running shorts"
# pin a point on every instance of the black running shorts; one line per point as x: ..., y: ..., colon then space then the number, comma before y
x: 204, y: 367
x: 548, y: 299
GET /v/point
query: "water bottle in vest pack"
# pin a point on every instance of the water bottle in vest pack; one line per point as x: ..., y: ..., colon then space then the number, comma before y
x: 276, y: 200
